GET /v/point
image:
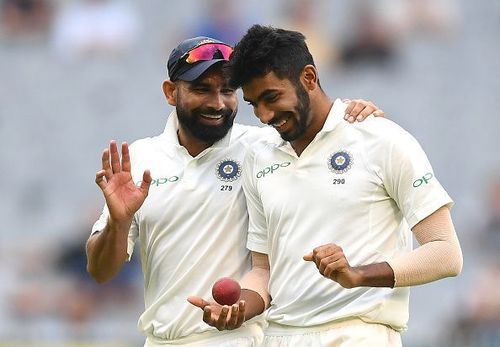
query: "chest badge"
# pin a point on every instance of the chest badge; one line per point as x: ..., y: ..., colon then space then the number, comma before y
x: 228, y: 170
x: 340, y: 162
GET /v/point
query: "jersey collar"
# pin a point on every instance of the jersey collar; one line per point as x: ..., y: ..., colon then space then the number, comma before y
x: 335, y: 116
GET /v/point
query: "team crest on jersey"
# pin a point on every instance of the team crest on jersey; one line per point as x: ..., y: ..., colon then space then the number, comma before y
x: 340, y: 162
x: 228, y: 170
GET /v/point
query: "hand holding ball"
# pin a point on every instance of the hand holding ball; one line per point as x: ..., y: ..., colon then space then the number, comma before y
x: 226, y: 291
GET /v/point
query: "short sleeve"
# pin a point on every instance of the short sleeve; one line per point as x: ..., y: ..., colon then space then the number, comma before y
x: 257, y: 228
x: 410, y: 180
x: 132, y: 234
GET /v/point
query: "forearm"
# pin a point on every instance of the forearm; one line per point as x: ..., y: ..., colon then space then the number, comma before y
x: 107, y: 251
x: 255, y: 286
x: 374, y: 275
x: 254, y: 304
x: 430, y: 262
x: 439, y: 255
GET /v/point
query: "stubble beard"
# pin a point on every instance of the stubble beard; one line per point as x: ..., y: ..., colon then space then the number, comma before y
x: 301, y: 114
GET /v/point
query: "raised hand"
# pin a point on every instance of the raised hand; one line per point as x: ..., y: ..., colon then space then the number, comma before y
x: 332, y: 263
x: 359, y: 109
x: 222, y: 317
x: 123, y: 197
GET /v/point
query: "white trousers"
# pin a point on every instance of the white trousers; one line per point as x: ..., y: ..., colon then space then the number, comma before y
x: 347, y: 333
x: 248, y: 335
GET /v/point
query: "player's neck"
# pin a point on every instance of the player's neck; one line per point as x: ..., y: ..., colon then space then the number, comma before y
x: 193, y: 145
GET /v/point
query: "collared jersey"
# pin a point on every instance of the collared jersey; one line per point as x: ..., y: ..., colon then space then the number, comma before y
x: 192, y: 226
x: 361, y: 186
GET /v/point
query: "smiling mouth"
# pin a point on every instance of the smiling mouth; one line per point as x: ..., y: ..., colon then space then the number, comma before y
x: 212, y: 116
x: 280, y: 123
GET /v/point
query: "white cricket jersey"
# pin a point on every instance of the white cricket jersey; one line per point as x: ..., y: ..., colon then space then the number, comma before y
x: 361, y: 186
x: 192, y: 226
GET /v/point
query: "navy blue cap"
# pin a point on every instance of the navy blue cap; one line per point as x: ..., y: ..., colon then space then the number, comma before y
x: 180, y: 70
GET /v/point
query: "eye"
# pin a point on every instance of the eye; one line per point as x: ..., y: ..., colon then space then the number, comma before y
x: 228, y: 91
x: 200, y: 89
x: 272, y: 98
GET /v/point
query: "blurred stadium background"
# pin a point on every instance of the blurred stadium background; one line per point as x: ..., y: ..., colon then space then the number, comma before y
x: 75, y: 74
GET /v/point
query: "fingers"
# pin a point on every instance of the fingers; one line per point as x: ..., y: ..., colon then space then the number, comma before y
x: 146, y: 182
x: 322, y: 256
x: 115, y: 157
x: 197, y: 301
x: 105, y: 164
x: 325, y: 251
x: 99, y: 179
x: 332, y: 263
x: 212, y: 319
x: 352, y: 110
x: 222, y: 321
x: 222, y: 317
x: 359, y: 105
x: 207, y: 316
x: 368, y: 110
x: 106, y: 171
x: 350, y: 106
x: 327, y: 263
x: 331, y: 270
x: 233, y: 317
x: 111, y: 160
x: 126, y: 166
x: 241, y: 316
x: 359, y: 109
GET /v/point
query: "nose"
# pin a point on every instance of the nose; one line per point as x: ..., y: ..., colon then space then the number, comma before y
x: 264, y: 114
x: 216, y: 101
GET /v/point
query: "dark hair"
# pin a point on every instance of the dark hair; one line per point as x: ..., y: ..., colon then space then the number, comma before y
x: 266, y: 49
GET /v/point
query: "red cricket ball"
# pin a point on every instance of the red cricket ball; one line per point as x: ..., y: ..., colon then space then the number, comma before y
x: 226, y: 291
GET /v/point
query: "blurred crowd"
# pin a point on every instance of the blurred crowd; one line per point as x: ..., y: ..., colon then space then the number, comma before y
x: 478, y: 321
x: 76, y: 73
x: 371, y: 30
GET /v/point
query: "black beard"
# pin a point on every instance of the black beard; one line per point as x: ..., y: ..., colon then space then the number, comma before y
x: 190, y: 122
x: 302, y: 112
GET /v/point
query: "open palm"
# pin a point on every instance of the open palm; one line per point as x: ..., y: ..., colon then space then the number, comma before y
x: 123, y: 197
x: 222, y: 317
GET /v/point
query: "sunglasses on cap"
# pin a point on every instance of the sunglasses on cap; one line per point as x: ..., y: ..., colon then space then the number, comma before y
x: 207, y: 51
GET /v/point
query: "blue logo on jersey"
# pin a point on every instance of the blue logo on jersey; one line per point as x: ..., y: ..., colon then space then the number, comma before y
x: 340, y: 162
x: 228, y: 170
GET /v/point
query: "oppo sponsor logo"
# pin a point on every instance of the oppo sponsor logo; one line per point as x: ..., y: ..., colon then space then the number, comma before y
x: 270, y: 169
x: 162, y: 180
x: 423, y: 180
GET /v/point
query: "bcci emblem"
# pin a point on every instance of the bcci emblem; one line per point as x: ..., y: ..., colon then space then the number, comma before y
x: 228, y: 170
x: 340, y: 162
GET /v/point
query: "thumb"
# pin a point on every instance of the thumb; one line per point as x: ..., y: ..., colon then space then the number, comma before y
x: 308, y: 257
x: 198, y: 302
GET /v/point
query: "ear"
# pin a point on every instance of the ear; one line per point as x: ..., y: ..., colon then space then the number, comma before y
x: 170, y: 91
x: 309, y: 77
